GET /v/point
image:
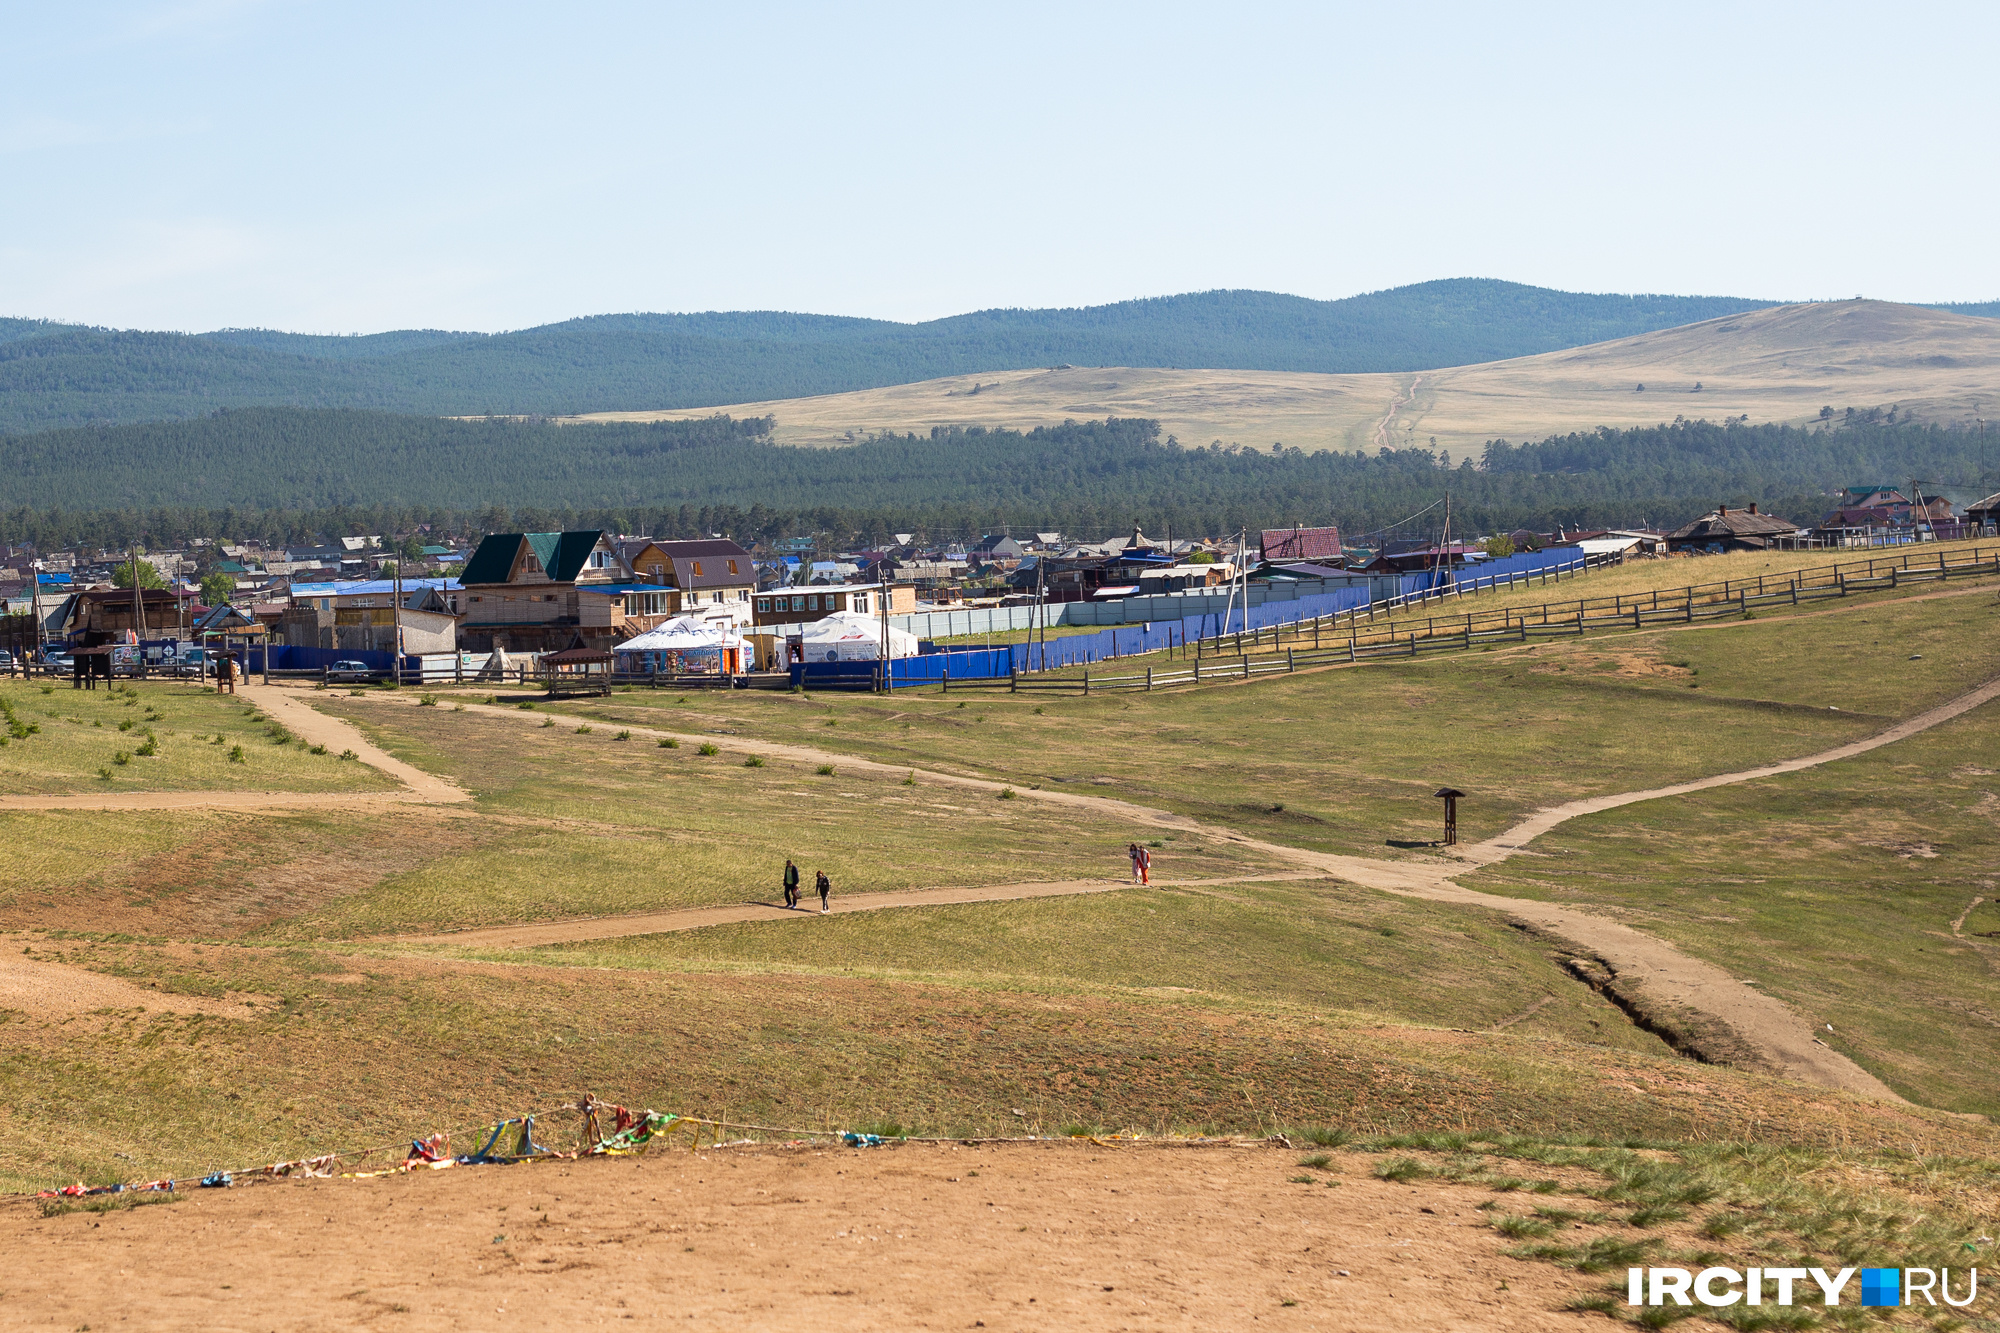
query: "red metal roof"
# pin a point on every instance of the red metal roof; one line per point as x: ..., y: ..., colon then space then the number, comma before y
x: 1300, y: 543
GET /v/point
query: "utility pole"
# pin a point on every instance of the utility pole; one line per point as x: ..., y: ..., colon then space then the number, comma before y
x: 398, y: 598
x: 138, y: 602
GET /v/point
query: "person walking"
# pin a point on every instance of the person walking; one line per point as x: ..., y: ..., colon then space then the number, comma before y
x: 825, y: 887
x: 1142, y: 863
x: 791, y: 884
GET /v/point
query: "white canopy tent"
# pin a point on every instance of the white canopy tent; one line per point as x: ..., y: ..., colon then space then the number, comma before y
x: 847, y: 636
x: 680, y: 642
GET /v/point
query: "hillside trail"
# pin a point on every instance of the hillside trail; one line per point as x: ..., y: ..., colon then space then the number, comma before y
x: 1777, y: 1036
x: 1396, y: 401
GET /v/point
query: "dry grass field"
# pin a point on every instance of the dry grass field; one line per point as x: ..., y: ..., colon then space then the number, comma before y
x: 1776, y: 365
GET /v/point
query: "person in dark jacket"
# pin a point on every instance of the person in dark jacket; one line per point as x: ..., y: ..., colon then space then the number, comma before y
x: 825, y: 887
x: 791, y: 884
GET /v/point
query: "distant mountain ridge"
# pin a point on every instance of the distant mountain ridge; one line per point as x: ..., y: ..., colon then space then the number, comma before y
x: 54, y: 374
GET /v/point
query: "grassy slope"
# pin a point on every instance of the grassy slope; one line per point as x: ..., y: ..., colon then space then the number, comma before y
x: 950, y: 1018
x: 196, y: 733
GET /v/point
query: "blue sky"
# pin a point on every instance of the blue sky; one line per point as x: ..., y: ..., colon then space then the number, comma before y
x: 355, y: 166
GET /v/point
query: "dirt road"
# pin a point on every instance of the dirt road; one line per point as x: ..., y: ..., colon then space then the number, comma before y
x: 1064, y: 1237
x: 695, y: 918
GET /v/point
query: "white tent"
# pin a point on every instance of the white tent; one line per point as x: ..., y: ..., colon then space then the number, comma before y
x: 682, y: 640
x: 847, y: 636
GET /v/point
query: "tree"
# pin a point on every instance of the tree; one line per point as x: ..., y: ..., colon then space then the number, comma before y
x: 412, y: 549
x: 215, y: 588
x: 149, y: 577
x: 1498, y: 547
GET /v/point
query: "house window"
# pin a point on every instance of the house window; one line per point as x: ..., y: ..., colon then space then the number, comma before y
x: 798, y: 603
x: 476, y: 599
x: 812, y: 603
x: 549, y: 598
x: 697, y: 569
x: 861, y: 603
x: 763, y: 604
x: 732, y: 566
x: 658, y: 572
x: 599, y: 559
x: 532, y: 563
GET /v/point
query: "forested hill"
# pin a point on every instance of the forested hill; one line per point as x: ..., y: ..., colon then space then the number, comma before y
x: 63, y: 374
x: 292, y: 474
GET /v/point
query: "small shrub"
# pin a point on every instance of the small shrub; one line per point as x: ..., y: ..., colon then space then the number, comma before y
x: 1325, y: 1137
x: 548, y: 722
x: 754, y: 761
x: 104, y: 773
x: 150, y: 748
x: 1304, y: 1180
x: 911, y: 780
x: 824, y: 770
x: 458, y: 708
x: 1522, y: 1228
x: 126, y: 725
x: 524, y: 706
x: 122, y: 758
x: 1039, y: 711
x: 583, y: 730
x: 48, y: 689
x: 218, y: 739
x: 1318, y: 1161
x: 709, y: 749
x: 236, y: 754
x: 669, y: 743
x: 622, y: 736
x: 318, y: 749
x: 1401, y: 1169
x: 1007, y: 793
x: 1655, y: 1212
x: 349, y: 754
x: 427, y: 701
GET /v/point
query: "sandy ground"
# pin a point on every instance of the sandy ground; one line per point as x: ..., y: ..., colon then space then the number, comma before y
x: 1063, y: 1237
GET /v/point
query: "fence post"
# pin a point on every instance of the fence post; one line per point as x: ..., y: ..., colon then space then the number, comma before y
x: 1689, y: 617
x: 1246, y: 666
x: 1086, y: 680
x: 1197, y: 671
x: 1149, y: 678
x: 1635, y: 617
x: 944, y: 681
x: 1013, y: 679
x: 1290, y: 665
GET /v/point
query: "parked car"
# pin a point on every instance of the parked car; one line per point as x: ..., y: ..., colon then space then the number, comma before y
x: 6, y: 663
x: 193, y: 662
x: 356, y: 673
x: 59, y: 661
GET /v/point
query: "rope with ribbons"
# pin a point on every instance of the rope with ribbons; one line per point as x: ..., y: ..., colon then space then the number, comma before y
x: 605, y: 1129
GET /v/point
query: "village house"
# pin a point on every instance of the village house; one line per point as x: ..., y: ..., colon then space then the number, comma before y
x: 361, y: 617
x: 109, y: 613
x: 703, y: 573
x: 796, y: 606
x: 1728, y: 529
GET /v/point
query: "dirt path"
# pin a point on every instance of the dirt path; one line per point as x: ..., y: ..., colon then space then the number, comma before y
x: 696, y: 918
x: 286, y: 706
x: 1777, y: 1036
x: 1063, y: 1237
x: 1396, y: 402
x: 54, y: 990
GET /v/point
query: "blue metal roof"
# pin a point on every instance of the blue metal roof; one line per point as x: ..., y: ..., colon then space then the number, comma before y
x: 370, y: 587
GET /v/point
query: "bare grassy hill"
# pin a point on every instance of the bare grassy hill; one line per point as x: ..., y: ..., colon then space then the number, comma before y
x: 1780, y: 364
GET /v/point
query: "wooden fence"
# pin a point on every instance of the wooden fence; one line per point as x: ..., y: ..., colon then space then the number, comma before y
x: 1515, y: 625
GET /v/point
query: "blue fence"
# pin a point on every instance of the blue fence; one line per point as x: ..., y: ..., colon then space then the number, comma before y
x: 1070, y: 650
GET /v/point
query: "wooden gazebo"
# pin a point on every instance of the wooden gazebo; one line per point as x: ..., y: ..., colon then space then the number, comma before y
x: 576, y: 671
